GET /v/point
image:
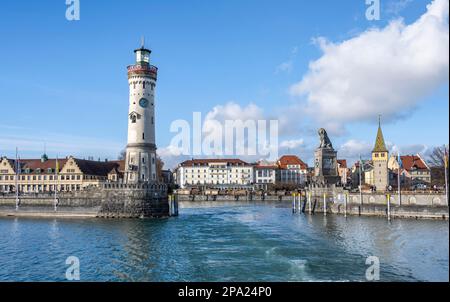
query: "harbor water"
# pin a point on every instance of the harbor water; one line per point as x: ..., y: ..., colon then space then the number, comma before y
x: 225, y: 242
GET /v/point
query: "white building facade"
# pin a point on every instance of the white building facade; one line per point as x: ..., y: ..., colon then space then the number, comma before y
x: 265, y: 175
x: 214, y: 173
x: 292, y: 170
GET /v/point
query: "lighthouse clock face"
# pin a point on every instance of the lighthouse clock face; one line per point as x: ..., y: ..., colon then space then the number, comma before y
x: 143, y: 103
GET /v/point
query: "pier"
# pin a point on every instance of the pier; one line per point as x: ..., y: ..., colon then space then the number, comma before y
x: 107, y: 201
x: 415, y: 206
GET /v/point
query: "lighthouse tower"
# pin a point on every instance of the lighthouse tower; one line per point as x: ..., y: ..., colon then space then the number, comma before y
x: 140, y: 164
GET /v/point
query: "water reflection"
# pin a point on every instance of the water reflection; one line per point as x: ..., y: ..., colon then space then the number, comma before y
x: 217, y: 242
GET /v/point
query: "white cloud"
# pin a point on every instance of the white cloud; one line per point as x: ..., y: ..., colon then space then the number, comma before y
x: 292, y: 144
x: 354, y: 148
x: 408, y: 149
x: 170, y: 151
x: 288, y: 65
x: 233, y: 111
x: 396, y: 6
x: 171, y: 156
x: 213, y: 123
x: 382, y: 71
x: 285, y: 67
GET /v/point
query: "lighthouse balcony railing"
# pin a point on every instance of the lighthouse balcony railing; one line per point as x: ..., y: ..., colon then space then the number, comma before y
x: 156, y: 187
x: 150, y: 68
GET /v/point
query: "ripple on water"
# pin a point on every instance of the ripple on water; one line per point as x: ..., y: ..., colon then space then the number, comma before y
x: 234, y: 243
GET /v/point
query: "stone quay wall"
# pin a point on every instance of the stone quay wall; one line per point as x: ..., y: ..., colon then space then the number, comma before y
x: 417, y: 206
x: 228, y: 198
x: 108, y: 201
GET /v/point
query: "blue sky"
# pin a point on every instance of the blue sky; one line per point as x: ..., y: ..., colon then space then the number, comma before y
x: 63, y: 84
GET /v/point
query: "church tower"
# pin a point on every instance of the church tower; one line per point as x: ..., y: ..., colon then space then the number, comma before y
x: 141, y: 148
x: 380, y: 159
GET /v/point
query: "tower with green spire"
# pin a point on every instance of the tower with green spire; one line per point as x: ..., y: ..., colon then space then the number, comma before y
x: 380, y: 157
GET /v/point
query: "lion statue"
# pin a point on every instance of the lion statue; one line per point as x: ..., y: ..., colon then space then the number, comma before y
x: 324, y: 139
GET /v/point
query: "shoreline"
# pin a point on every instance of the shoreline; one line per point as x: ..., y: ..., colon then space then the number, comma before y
x: 14, y: 214
x: 410, y: 212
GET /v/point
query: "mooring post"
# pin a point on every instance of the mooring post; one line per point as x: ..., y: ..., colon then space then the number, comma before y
x: 360, y: 204
x: 174, y: 205
x: 299, y: 205
x: 310, y: 203
x: 303, y: 199
x: 170, y: 205
x: 325, y: 204
x: 293, y: 203
x: 389, y: 206
x: 345, y: 204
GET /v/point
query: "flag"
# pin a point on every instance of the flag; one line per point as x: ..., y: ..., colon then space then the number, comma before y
x: 446, y: 159
x: 57, y: 166
x: 361, y: 164
x: 400, y: 163
x: 17, y: 161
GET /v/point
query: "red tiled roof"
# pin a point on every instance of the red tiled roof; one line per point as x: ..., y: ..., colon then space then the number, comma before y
x: 202, y: 162
x: 286, y: 160
x: 120, y: 164
x: 89, y: 167
x: 413, y: 161
x: 34, y: 164
x: 258, y: 166
x: 98, y: 168
x: 342, y: 163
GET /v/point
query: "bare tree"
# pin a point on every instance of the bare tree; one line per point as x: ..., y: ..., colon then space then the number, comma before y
x: 436, y: 162
x: 159, y: 167
x: 122, y: 155
x: 436, y: 157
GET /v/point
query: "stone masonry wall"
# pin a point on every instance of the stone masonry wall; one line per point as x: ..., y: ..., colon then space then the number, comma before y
x: 432, y: 206
x: 107, y: 203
